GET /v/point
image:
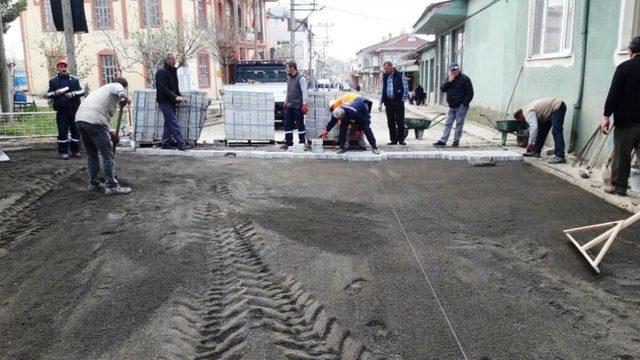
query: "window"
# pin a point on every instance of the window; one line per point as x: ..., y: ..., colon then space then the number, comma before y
x: 629, y: 23
x: 108, y: 67
x: 201, y: 13
x: 149, y: 13
x: 551, y: 28
x: 203, y: 70
x: 47, y: 16
x: 102, y: 14
x: 228, y: 13
x: 457, y: 46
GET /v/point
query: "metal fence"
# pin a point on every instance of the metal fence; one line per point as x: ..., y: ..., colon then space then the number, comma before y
x: 28, y: 124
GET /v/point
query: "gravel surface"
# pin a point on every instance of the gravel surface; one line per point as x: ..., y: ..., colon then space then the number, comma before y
x: 235, y: 258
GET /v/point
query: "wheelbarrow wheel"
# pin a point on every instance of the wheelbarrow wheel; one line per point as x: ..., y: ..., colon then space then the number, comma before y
x: 504, y: 138
x: 419, y: 133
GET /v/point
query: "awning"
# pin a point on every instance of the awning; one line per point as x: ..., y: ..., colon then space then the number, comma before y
x: 440, y: 17
x: 409, y: 68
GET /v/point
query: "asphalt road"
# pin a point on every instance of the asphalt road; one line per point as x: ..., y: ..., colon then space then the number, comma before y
x: 310, y: 260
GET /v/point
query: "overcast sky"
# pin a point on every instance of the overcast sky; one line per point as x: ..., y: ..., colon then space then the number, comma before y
x: 356, y: 23
x: 360, y: 23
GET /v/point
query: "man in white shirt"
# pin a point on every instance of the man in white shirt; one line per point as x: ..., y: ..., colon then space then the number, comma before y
x: 543, y: 115
x: 92, y: 120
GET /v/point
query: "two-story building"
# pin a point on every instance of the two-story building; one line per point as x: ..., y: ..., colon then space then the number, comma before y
x: 279, y: 40
x: 371, y: 58
x: 113, y: 22
x: 519, y: 51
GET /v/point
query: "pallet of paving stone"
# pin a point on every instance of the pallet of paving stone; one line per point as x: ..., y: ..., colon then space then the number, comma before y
x: 249, y: 117
x: 148, y: 121
x: 319, y: 115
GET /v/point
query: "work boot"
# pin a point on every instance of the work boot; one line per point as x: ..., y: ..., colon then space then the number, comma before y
x: 307, y: 146
x: 558, y: 160
x: 392, y: 143
x: 610, y: 189
x: 439, y: 143
x: 455, y: 143
x: 118, y: 190
x: 76, y: 155
x: 64, y: 156
x: 96, y: 187
x: 375, y: 151
x: 284, y: 147
x: 184, y: 147
x: 341, y: 151
x: 531, y: 154
x: 402, y: 143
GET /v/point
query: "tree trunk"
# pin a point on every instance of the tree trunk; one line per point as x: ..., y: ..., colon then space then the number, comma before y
x: 5, y: 87
x: 69, y: 41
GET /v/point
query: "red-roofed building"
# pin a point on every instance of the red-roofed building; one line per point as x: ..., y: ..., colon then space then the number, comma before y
x: 371, y: 58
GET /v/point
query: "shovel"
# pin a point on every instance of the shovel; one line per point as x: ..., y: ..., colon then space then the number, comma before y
x: 116, y: 139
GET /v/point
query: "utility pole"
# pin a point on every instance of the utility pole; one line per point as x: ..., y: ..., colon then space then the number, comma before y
x: 257, y: 27
x: 310, y: 50
x: 292, y: 29
x: 5, y: 99
x: 69, y: 41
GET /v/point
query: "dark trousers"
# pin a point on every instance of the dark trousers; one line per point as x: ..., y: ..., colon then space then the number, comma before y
x: 624, y: 141
x: 364, y: 126
x: 554, y: 124
x: 96, y: 140
x: 171, y: 127
x: 66, y: 121
x: 395, y: 120
x: 294, y: 116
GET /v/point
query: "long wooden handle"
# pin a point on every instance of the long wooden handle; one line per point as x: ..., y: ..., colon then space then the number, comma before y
x: 118, y: 122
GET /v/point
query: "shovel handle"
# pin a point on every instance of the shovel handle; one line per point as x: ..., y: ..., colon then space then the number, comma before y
x: 116, y: 140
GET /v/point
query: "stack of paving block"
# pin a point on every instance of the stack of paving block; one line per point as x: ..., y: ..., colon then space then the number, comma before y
x: 249, y: 116
x: 319, y: 115
x: 148, y: 121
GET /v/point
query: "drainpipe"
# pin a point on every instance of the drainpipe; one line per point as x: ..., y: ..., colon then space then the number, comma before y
x: 577, y: 107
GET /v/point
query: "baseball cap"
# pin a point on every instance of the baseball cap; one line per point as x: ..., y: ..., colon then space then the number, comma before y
x: 454, y: 66
x: 62, y: 61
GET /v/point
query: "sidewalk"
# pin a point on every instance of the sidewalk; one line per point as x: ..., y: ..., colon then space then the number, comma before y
x: 565, y: 172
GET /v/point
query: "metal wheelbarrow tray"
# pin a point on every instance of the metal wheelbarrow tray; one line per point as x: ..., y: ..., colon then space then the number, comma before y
x: 419, y: 125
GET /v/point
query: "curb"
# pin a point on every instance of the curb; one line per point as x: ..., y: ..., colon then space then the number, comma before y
x: 486, y: 155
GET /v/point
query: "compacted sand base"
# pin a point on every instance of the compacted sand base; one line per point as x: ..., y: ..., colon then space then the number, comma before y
x: 253, y: 259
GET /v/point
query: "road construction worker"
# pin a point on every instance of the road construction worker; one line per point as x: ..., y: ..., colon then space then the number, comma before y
x: 92, y: 120
x: 543, y: 115
x: 356, y: 132
x: 345, y: 99
x: 358, y: 113
x: 295, y: 104
x: 65, y: 92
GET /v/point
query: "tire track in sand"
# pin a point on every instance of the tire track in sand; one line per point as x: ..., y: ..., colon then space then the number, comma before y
x: 243, y: 296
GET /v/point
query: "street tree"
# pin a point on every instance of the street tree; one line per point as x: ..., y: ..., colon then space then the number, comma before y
x: 9, y: 11
x: 222, y: 40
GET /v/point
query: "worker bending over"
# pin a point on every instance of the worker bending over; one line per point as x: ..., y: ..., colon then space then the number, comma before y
x: 357, y: 112
x: 543, y: 115
x: 92, y: 120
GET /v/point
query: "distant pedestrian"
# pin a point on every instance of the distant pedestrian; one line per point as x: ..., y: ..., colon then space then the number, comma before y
x: 168, y: 97
x: 459, y: 90
x: 419, y: 95
x: 623, y: 102
x: 394, y: 92
x: 543, y: 115
x: 295, y: 104
x: 93, y: 123
x: 65, y: 91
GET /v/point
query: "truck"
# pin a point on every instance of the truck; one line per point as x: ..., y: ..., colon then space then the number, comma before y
x: 262, y: 76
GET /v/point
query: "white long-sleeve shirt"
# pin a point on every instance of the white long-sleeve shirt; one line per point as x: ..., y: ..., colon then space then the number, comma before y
x: 532, y: 120
x: 101, y: 104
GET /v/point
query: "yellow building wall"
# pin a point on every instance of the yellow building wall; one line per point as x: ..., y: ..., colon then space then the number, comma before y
x: 89, y: 45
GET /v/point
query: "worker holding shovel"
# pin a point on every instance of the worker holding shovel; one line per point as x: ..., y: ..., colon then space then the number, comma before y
x: 92, y: 120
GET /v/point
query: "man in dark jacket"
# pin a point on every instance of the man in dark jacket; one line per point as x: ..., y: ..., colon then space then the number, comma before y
x: 459, y: 92
x: 394, y: 93
x: 65, y: 92
x: 623, y: 102
x: 356, y: 112
x: 168, y: 96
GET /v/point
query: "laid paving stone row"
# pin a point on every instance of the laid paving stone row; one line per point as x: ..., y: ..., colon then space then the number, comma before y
x: 474, y: 155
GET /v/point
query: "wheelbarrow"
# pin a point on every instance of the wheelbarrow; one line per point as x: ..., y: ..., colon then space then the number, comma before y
x: 515, y: 127
x: 419, y: 125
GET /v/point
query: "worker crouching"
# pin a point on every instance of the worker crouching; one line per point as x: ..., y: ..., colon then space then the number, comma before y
x: 356, y: 113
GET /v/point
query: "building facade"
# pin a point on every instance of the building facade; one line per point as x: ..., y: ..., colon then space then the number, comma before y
x: 371, y: 59
x: 519, y: 51
x: 279, y: 40
x: 115, y: 22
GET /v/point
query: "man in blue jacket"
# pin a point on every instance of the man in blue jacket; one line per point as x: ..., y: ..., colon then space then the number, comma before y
x: 394, y: 93
x: 357, y: 112
x: 168, y: 96
x: 459, y: 92
x: 65, y: 92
